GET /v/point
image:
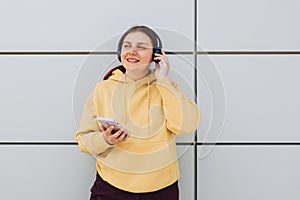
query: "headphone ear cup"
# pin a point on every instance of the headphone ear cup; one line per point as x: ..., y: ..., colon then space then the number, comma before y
x: 156, y: 50
x: 119, y: 55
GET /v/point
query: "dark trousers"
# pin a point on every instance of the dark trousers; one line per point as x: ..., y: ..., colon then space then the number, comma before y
x: 102, y: 190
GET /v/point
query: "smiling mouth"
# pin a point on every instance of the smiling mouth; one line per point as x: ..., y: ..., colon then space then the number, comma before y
x: 132, y: 60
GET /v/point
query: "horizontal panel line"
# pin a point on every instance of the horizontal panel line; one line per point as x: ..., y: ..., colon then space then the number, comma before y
x: 248, y: 52
x: 63, y: 143
x: 38, y: 143
x: 58, y: 53
x: 78, y: 52
x: 248, y: 143
x: 184, y: 143
x: 168, y: 52
x: 178, y: 143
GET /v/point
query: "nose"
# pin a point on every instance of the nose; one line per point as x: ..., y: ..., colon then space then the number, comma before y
x: 132, y: 49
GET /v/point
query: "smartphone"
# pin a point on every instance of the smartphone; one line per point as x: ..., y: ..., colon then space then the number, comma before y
x: 156, y: 50
x: 107, y: 122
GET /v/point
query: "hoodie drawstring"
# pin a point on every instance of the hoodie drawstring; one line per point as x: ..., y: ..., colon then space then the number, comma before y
x: 149, y: 80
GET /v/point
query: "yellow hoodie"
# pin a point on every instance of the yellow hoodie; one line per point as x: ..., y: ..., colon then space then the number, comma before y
x: 153, y: 112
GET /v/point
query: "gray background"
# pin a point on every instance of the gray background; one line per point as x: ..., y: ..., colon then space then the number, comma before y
x: 47, y: 72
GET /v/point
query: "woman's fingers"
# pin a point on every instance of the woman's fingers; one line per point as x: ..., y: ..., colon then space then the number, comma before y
x: 117, y: 137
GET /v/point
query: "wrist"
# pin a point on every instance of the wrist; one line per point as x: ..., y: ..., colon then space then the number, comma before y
x: 106, y: 140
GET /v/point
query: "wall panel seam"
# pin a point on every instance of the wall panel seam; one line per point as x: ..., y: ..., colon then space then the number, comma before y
x: 168, y: 52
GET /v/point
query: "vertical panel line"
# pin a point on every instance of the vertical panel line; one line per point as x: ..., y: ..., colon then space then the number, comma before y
x: 196, y: 92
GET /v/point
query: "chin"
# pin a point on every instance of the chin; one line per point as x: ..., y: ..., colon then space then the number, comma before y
x: 131, y: 67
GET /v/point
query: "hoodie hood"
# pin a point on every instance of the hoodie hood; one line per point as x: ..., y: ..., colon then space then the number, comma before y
x: 119, y: 76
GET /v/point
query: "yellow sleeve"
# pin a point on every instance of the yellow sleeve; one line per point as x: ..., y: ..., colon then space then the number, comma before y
x: 89, y: 136
x: 182, y: 114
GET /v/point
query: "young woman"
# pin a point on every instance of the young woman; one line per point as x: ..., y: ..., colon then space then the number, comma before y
x: 139, y: 160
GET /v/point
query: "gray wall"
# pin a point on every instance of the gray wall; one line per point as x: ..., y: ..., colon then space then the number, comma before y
x: 247, y: 59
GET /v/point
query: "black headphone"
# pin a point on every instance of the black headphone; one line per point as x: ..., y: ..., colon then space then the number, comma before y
x: 156, y: 49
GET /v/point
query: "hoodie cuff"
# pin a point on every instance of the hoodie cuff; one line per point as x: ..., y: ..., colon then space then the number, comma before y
x: 94, y: 142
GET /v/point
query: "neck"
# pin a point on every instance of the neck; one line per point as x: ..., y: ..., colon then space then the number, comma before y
x: 136, y: 75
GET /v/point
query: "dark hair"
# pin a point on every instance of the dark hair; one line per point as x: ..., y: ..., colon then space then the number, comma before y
x: 109, y: 73
x: 155, y: 40
x: 144, y: 29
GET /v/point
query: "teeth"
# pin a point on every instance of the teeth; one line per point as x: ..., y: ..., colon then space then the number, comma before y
x: 132, y: 60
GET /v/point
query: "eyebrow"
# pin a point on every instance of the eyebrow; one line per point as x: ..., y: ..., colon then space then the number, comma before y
x: 139, y: 43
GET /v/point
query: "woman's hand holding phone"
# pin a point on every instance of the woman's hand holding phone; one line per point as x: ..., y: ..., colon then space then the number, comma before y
x: 114, y: 137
